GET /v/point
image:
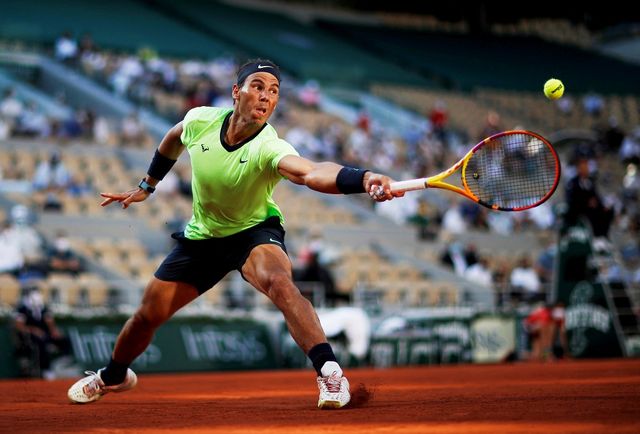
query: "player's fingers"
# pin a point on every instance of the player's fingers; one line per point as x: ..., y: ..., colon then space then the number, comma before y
x: 106, y: 202
x: 128, y: 201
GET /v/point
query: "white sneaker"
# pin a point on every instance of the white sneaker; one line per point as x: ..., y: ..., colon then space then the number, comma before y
x: 334, y: 387
x: 91, y: 388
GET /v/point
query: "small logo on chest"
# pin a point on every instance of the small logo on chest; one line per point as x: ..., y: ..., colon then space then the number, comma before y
x: 204, y: 148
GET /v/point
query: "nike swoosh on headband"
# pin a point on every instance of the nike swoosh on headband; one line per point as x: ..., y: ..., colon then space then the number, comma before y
x: 264, y: 66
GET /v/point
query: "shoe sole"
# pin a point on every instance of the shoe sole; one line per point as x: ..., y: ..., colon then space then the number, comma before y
x: 330, y: 405
x: 83, y: 402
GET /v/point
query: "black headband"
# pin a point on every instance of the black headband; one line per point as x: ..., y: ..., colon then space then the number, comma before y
x: 264, y: 66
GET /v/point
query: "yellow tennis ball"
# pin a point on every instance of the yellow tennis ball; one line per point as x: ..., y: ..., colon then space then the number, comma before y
x: 553, y: 88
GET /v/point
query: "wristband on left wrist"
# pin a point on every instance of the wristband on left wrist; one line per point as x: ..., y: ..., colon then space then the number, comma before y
x: 146, y: 186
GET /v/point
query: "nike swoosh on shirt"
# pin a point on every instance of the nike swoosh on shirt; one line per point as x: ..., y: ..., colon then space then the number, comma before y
x: 243, y: 161
x: 264, y: 66
x: 275, y: 241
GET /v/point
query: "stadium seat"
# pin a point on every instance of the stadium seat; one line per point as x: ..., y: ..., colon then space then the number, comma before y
x: 9, y: 290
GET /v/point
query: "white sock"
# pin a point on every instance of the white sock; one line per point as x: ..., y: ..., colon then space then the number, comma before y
x: 329, y: 368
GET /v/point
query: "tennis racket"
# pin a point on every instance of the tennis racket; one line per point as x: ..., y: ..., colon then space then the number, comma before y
x: 509, y: 171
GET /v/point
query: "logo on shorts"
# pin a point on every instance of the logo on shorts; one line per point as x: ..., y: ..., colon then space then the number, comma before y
x: 204, y: 148
x: 275, y: 241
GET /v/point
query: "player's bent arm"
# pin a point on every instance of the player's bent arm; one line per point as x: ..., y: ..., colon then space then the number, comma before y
x: 168, y: 151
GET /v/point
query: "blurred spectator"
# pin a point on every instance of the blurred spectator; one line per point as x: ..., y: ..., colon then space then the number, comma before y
x: 51, y: 174
x: 314, y: 271
x: 630, y: 148
x: 559, y: 342
x: 10, y: 106
x: 87, y: 46
x: 132, y: 131
x: 28, y: 240
x: 525, y: 282
x: 453, y: 221
x: 593, y: 104
x: 565, y: 105
x: 545, y: 262
x: 439, y: 116
x: 309, y: 94
x: 584, y: 200
x: 66, y: 48
x: 77, y: 186
x: 61, y: 258
x: 492, y: 126
x: 400, y: 211
x: 611, y: 136
x: 32, y: 122
x: 426, y: 219
x: 540, y: 329
x: 501, y: 223
x: 304, y: 141
x: 38, y: 337
x: 11, y: 257
x: 545, y: 326
x: 102, y: 131
x: 542, y: 216
x: 364, y: 121
x: 316, y: 245
x: 458, y: 257
x: 53, y: 178
x: 480, y: 273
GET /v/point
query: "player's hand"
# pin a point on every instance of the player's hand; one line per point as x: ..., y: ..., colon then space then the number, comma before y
x: 378, y: 187
x: 126, y: 199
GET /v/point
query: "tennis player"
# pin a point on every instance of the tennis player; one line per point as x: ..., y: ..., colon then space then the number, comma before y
x: 237, y: 159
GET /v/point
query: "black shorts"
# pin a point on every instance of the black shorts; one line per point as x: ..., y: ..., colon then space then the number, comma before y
x: 203, y: 263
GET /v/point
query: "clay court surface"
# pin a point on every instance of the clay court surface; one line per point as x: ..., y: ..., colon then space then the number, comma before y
x: 562, y: 397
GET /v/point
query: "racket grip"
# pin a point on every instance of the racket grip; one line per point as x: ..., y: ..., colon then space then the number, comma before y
x: 412, y: 184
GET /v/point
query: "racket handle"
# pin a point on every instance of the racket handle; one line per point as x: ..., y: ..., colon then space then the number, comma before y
x: 412, y: 184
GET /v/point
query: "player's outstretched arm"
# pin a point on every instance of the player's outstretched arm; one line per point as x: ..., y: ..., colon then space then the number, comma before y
x: 333, y: 178
x: 165, y: 157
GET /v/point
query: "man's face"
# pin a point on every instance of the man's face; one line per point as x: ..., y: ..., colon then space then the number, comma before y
x: 583, y: 168
x: 257, y: 98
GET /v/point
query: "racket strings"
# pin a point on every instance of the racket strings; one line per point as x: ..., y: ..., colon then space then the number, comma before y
x: 512, y: 171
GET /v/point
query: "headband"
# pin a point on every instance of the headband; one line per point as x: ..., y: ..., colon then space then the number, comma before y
x: 260, y: 66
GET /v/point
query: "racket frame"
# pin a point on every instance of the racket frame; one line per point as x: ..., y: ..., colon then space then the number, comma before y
x: 437, y: 181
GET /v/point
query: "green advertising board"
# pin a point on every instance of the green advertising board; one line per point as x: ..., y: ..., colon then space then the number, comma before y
x: 182, y: 344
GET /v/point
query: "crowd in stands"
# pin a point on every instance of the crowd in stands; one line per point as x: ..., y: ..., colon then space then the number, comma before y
x: 171, y: 87
x: 25, y: 254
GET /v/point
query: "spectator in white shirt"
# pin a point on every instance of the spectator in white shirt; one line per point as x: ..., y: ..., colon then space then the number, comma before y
x: 480, y: 273
x: 525, y: 281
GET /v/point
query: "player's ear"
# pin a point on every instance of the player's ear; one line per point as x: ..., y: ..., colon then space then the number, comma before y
x: 235, y: 92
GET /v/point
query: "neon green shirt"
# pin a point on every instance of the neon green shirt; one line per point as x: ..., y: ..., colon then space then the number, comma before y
x: 232, y: 186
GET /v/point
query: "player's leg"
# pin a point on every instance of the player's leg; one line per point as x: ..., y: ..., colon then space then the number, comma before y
x: 160, y: 301
x: 268, y: 269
